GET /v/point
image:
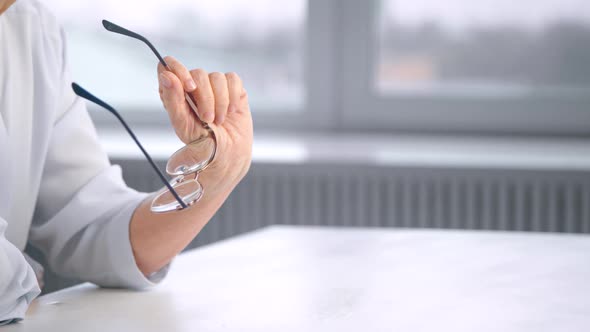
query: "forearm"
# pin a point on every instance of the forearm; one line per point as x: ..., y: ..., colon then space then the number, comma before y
x: 156, y: 238
x: 223, y: 102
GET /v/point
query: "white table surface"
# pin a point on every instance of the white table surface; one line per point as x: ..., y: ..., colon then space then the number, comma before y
x: 326, y: 279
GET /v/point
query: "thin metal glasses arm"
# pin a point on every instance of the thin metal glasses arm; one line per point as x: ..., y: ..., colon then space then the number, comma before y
x: 112, y: 27
x: 88, y: 96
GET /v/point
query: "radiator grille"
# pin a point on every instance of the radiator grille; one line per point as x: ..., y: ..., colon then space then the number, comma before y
x: 348, y: 195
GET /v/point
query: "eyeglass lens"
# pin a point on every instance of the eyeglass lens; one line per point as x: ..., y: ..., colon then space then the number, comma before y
x: 191, y: 159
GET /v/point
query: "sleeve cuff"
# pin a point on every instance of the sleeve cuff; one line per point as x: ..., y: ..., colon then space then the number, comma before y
x: 9, y: 321
x: 121, y: 253
x: 18, y: 311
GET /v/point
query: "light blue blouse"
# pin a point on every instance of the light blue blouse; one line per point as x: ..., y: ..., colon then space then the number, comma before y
x: 58, y: 190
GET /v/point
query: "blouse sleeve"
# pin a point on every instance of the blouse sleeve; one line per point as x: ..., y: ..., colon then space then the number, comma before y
x: 18, y: 283
x: 84, y: 207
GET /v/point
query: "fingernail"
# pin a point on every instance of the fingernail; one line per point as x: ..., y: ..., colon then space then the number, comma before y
x: 208, y: 117
x: 190, y: 85
x: 165, y: 81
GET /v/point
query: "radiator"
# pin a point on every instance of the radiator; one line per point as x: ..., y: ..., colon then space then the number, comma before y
x: 419, y: 197
x: 379, y: 196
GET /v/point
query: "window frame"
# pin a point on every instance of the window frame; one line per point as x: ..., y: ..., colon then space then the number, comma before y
x: 364, y: 109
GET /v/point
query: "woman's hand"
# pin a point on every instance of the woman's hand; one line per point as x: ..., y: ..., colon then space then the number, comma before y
x: 222, y: 102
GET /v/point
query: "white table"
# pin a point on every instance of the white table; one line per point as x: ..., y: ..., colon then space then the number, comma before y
x: 326, y: 279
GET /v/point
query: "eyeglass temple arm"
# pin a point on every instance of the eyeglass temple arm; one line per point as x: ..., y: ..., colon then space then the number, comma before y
x: 112, y: 27
x: 88, y: 96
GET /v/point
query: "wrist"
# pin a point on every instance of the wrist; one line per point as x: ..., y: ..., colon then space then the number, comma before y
x: 222, y: 178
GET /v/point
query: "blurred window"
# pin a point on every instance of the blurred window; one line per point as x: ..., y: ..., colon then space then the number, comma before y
x: 484, y: 48
x: 418, y: 65
x: 459, y: 66
x: 262, y: 40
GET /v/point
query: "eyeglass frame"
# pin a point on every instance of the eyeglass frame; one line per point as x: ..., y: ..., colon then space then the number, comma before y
x: 179, y: 177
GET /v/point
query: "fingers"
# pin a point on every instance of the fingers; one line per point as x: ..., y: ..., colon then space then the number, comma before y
x: 172, y: 94
x: 221, y: 93
x: 180, y: 71
x: 235, y: 89
x: 172, y: 86
x: 215, y: 94
x: 204, y: 95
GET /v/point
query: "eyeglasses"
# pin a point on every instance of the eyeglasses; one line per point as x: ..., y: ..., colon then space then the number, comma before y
x: 185, y: 164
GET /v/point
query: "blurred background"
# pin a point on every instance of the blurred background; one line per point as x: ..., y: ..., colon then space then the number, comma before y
x: 450, y: 114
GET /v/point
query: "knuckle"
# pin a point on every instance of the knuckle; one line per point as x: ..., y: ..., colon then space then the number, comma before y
x: 232, y: 76
x: 208, y: 99
x: 199, y: 73
x: 218, y: 81
x: 172, y: 63
x: 221, y: 104
x: 177, y: 68
x: 217, y: 77
x: 169, y: 59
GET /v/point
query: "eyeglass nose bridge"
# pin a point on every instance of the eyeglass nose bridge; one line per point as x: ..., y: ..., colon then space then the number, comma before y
x: 183, y: 163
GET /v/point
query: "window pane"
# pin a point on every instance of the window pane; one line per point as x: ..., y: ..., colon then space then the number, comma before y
x: 262, y: 40
x: 490, y: 48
